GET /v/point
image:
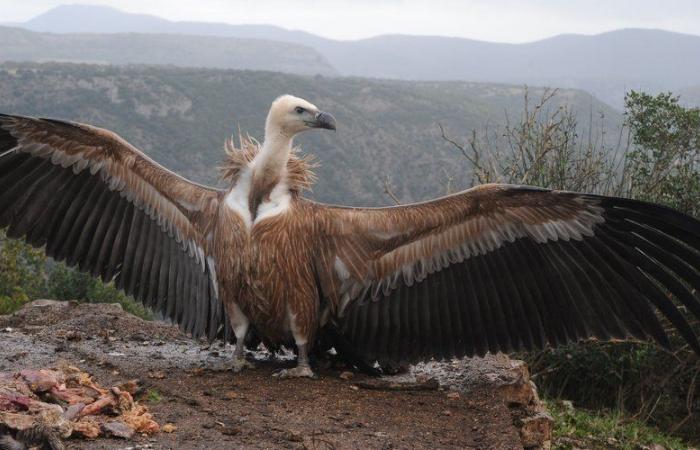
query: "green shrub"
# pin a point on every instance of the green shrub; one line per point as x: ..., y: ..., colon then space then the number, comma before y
x: 152, y: 396
x: 577, y: 428
x: 68, y: 284
x: 27, y: 274
x: 10, y: 304
x: 22, y: 269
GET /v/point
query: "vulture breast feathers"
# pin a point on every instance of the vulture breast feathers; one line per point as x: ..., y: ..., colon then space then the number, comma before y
x: 494, y: 268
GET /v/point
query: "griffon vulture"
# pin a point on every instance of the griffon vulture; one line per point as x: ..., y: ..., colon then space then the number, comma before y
x: 493, y: 268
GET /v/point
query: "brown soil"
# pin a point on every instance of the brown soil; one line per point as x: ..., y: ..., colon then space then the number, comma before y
x: 212, y: 408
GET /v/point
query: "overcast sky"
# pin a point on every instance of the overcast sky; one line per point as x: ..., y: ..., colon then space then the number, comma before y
x: 493, y: 20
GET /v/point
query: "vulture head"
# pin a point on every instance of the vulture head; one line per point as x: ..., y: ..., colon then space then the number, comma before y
x: 291, y: 115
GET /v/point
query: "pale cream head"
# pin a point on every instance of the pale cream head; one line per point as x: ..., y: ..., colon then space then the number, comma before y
x: 290, y: 115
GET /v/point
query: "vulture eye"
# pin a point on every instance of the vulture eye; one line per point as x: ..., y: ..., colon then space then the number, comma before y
x: 299, y: 110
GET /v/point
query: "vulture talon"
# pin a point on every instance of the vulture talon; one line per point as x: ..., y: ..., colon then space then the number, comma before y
x: 242, y: 363
x: 296, y: 372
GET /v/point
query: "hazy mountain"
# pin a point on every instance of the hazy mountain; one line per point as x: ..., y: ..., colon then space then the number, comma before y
x: 104, y: 19
x: 182, y: 116
x: 690, y: 95
x: 178, y: 50
x: 607, y: 64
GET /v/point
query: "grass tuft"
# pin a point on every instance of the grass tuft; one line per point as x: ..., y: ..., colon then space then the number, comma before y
x: 578, y: 428
x: 152, y: 396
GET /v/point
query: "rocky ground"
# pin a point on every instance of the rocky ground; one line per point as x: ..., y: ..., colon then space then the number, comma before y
x: 476, y: 404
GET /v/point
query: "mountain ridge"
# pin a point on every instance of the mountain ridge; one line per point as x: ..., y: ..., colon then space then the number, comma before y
x: 20, y: 44
x: 47, y: 22
x: 606, y: 64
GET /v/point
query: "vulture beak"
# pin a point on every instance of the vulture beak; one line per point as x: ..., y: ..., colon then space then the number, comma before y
x: 324, y: 120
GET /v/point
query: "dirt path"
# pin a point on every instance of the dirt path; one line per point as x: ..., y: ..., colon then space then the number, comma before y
x: 214, y: 409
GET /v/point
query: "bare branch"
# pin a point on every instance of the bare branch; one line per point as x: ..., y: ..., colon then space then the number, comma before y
x: 389, y: 192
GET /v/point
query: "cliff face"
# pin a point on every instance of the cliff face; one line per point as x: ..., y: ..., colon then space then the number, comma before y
x: 477, y: 403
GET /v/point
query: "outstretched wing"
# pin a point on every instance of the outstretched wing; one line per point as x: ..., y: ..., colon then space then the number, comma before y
x: 503, y: 268
x: 102, y: 205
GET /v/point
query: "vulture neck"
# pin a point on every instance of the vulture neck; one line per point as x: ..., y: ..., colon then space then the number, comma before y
x: 269, y: 169
x: 271, y: 162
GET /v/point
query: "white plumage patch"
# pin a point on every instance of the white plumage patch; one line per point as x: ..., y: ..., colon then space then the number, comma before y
x: 341, y: 269
x: 278, y: 203
x: 214, y: 278
x: 299, y: 338
x: 237, y: 198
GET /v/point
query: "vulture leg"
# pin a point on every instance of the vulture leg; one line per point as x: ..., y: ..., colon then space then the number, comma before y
x: 240, y: 324
x: 303, y: 368
x: 301, y: 339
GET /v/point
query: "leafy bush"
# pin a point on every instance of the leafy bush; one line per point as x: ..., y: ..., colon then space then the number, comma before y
x: 664, y: 164
x: 576, y: 428
x: 22, y: 274
x: 22, y: 269
x: 10, y: 304
x: 26, y: 274
x: 68, y: 284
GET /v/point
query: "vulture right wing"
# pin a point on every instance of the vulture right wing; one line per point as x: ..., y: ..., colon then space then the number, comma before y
x: 504, y: 268
x: 102, y: 205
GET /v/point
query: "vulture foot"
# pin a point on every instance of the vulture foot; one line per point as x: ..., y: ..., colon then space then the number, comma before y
x: 297, y: 372
x: 242, y: 363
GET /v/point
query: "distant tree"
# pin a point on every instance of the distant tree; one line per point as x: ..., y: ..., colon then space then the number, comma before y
x: 22, y: 273
x: 664, y: 164
x: 543, y: 148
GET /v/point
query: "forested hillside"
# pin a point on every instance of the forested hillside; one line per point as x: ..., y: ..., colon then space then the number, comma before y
x: 181, y: 117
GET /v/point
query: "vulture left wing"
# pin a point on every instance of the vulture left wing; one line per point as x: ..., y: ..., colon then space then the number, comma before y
x: 503, y: 268
x: 97, y: 202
